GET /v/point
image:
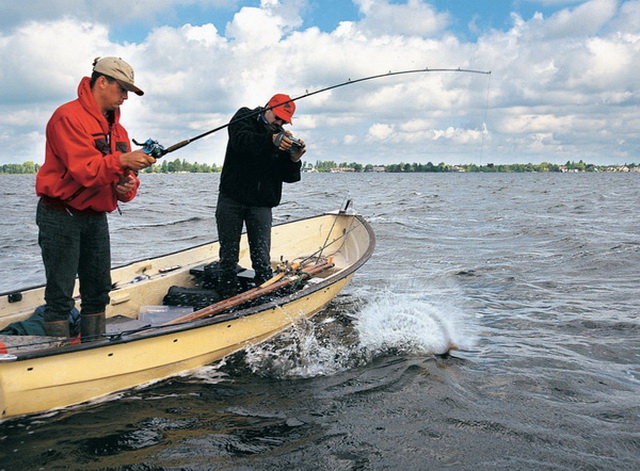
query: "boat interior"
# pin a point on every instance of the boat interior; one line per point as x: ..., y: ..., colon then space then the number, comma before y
x: 166, y: 289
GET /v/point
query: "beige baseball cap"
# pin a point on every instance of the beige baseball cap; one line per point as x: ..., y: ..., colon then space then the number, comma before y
x: 117, y: 69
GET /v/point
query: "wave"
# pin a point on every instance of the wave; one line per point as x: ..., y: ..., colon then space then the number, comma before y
x: 160, y: 224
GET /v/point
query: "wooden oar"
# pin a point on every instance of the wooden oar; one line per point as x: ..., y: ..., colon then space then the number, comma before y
x: 265, y: 288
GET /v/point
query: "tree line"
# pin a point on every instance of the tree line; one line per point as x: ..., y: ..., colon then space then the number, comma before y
x: 166, y: 166
x: 580, y: 166
x: 25, y: 167
x: 182, y: 166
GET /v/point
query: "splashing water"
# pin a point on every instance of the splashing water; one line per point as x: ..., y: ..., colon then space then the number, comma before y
x: 410, y: 324
x: 392, y: 323
x: 208, y: 374
x: 308, y: 349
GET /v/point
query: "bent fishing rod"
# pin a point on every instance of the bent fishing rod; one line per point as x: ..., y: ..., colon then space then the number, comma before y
x: 156, y: 150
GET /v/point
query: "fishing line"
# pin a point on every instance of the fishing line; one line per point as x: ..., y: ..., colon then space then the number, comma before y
x: 347, y: 231
x: 484, y: 118
x: 153, y: 148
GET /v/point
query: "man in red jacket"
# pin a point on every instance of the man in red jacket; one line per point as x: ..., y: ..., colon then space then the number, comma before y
x: 88, y: 169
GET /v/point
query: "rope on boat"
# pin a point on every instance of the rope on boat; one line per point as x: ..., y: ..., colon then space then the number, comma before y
x: 318, y: 253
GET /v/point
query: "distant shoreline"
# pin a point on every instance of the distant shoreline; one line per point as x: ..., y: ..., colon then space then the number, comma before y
x: 177, y: 167
x: 633, y: 170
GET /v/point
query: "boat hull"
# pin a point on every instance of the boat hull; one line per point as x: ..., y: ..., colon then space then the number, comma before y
x: 46, y: 379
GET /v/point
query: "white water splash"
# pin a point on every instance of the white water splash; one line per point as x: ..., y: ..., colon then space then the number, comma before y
x: 306, y: 350
x: 207, y: 374
x: 410, y: 323
x: 391, y: 323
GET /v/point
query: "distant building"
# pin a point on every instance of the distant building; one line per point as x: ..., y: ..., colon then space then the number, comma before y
x: 342, y: 170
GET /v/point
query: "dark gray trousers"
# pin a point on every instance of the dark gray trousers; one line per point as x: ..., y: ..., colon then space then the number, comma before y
x: 74, y: 244
x: 230, y: 217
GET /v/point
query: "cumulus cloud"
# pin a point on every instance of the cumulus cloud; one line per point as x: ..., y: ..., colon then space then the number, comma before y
x: 413, y: 18
x: 562, y: 87
x: 112, y: 12
x: 583, y: 21
x: 28, y: 57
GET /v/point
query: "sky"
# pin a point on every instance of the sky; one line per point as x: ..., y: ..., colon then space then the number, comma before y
x: 563, y: 84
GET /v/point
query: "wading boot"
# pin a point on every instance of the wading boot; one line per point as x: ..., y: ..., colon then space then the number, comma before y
x: 57, y: 328
x: 92, y: 326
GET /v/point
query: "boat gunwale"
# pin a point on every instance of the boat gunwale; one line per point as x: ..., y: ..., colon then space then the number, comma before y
x: 193, y: 247
x: 148, y: 332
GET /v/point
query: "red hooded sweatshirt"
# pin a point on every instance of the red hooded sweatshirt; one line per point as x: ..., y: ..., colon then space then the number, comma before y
x: 82, y: 157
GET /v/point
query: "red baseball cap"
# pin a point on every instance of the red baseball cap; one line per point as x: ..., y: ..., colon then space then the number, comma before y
x: 284, y: 111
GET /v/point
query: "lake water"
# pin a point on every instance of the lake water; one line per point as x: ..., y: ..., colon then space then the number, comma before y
x: 533, y: 277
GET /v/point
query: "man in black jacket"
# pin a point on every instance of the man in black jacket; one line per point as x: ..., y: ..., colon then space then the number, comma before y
x: 260, y: 156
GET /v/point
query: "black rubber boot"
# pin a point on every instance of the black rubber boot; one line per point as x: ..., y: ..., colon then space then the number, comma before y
x: 92, y: 326
x: 57, y: 328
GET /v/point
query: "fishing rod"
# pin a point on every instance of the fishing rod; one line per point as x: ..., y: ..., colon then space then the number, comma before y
x: 156, y: 150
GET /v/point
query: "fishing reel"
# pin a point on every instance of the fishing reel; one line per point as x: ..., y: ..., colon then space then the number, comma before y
x: 152, y: 148
x: 296, y: 145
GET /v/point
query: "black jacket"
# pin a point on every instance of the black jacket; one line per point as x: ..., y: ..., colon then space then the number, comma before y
x: 254, y: 169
